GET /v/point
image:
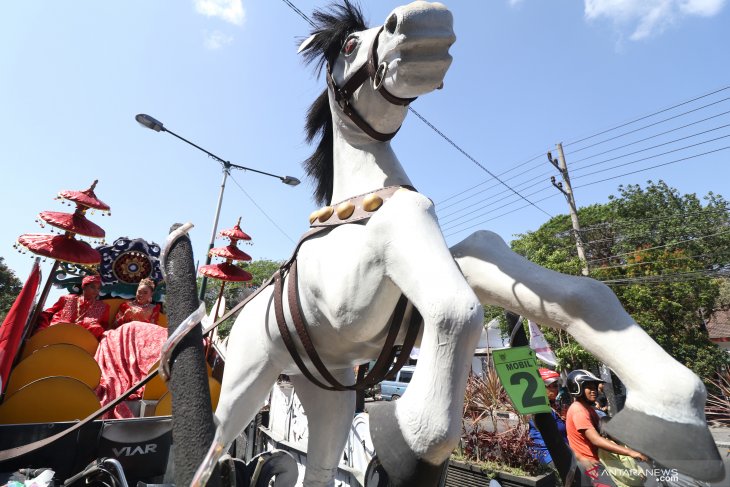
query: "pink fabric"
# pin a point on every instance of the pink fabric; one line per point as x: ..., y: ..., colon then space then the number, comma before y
x: 125, y: 356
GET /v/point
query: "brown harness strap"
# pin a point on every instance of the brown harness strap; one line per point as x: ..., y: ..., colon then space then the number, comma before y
x: 385, y: 359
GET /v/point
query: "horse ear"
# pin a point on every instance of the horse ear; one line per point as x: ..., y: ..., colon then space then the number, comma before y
x: 306, y: 43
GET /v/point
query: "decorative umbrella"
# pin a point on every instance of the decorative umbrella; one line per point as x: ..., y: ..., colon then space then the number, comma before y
x: 227, y: 271
x: 65, y: 247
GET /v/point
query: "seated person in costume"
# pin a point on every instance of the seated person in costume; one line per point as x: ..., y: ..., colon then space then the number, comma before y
x: 85, y: 309
x: 538, y: 449
x: 141, y: 308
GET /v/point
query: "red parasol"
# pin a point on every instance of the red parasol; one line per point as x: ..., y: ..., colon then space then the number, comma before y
x: 60, y: 247
x: 65, y: 248
x: 85, y: 198
x: 225, y: 271
x: 230, y: 252
x: 235, y: 233
x: 73, y: 223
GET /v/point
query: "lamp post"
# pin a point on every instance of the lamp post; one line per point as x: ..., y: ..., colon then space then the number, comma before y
x: 154, y: 124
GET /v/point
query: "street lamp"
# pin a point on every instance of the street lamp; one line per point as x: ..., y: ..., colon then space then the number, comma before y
x: 154, y: 124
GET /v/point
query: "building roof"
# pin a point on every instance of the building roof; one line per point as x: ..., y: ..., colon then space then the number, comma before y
x: 718, y: 326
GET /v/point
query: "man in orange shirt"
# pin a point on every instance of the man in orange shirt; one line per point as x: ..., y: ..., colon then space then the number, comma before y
x: 582, y: 425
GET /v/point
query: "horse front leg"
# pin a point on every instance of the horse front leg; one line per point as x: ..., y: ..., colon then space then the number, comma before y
x: 329, y: 418
x: 664, y: 412
x: 415, y: 435
x: 252, y: 366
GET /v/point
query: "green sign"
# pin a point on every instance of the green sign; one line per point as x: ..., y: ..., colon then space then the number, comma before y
x: 517, y: 369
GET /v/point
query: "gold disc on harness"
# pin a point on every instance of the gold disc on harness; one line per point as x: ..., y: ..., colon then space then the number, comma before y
x: 313, y: 216
x: 325, y: 214
x: 372, y: 202
x: 345, y: 210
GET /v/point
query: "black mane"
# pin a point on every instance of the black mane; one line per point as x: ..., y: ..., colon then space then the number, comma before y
x: 331, y: 29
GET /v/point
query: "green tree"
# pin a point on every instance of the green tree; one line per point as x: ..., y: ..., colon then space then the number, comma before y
x: 10, y: 286
x: 660, y: 252
x: 235, y: 292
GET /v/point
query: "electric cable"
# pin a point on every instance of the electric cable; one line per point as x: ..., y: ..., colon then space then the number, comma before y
x: 651, y: 167
x: 647, y: 116
x: 262, y: 210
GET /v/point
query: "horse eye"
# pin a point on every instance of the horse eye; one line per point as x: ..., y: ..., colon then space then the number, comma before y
x: 350, y: 45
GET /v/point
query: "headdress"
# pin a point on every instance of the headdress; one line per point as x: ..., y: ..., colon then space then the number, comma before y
x: 548, y: 376
x: 148, y: 283
x: 90, y: 279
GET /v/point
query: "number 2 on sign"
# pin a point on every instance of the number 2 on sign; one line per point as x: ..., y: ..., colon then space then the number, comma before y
x: 529, y: 399
x: 517, y: 369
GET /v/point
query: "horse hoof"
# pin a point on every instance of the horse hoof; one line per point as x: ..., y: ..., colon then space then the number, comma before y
x: 687, y: 447
x: 403, y: 467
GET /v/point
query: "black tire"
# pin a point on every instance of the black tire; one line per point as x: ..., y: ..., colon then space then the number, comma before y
x: 375, y: 475
x: 394, y: 397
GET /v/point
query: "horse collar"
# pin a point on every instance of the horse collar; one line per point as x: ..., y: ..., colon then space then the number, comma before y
x: 356, y: 80
x: 355, y: 209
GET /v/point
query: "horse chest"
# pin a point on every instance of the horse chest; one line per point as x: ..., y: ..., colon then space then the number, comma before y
x: 343, y: 284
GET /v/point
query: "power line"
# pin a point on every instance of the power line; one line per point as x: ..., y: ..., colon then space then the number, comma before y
x: 692, y: 239
x: 645, y: 117
x: 500, y: 175
x: 453, y: 144
x: 262, y: 210
x: 495, y: 217
x: 299, y: 12
x: 480, y: 203
x: 602, y: 225
x: 653, y: 147
x: 651, y: 157
x: 670, y: 277
x: 650, y: 125
x: 634, y: 264
x: 451, y: 224
x: 574, y: 162
x: 652, y: 167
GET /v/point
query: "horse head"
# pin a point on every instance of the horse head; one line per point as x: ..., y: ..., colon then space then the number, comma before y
x: 372, y: 74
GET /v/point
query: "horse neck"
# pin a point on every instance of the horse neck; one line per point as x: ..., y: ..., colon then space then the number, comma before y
x: 362, y: 168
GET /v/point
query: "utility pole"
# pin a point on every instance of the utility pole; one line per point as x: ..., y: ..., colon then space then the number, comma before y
x: 565, y: 188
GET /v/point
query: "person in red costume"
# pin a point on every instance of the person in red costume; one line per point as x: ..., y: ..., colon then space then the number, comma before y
x: 84, y: 310
x: 141, y: 308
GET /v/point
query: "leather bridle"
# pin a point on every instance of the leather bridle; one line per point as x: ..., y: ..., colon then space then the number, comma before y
x: 369, y: 70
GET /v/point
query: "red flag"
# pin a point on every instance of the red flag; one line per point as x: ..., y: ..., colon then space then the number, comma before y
x: 11, y: 330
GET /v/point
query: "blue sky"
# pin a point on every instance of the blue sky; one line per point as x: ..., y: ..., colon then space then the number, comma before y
x: 225, y: 74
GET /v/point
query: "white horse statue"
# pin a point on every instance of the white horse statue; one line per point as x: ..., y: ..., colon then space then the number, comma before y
x: 351, y: 277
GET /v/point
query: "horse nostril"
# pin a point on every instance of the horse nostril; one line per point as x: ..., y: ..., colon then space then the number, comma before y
x: 391, y: 23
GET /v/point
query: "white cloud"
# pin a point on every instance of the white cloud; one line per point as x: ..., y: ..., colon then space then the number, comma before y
x: 217, y: 39
x: 228, y: 10
x: 649, y: 17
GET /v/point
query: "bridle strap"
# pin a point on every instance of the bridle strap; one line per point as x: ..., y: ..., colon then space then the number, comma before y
x: 343, y: 94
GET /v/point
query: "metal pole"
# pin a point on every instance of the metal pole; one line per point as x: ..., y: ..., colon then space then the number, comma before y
x: 204, y: 283
x: 41, y: 301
